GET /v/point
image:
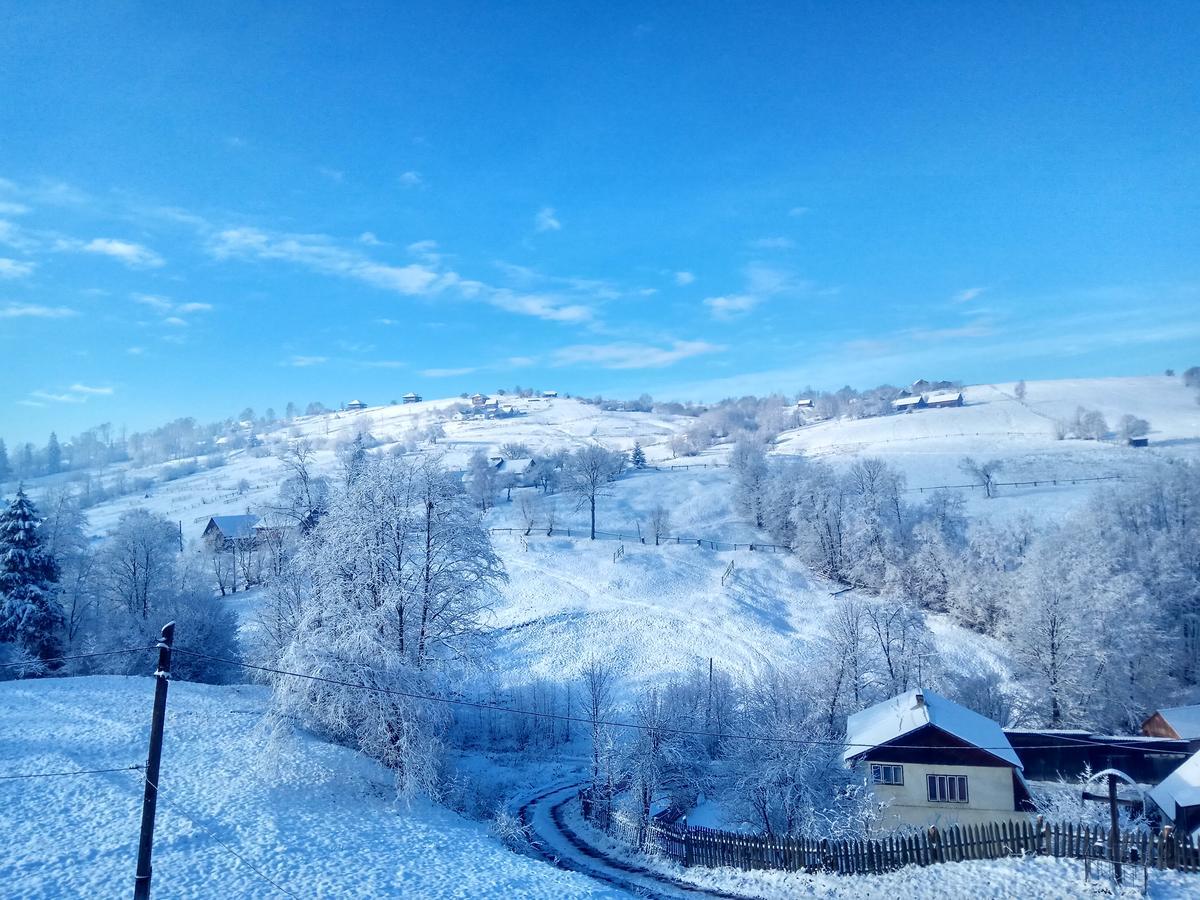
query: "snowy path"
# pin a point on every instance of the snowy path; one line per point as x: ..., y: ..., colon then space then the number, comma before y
x: 558, y: 842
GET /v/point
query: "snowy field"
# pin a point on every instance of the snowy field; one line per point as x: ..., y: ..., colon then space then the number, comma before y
x: 316, y: 819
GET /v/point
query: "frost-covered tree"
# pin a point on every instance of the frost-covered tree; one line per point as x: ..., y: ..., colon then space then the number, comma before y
x: 137, y: 563
x: 53, y: 455
x: 30, y: 614
x: 483, y: 480
x: 1130, y: 426
x: 515, y: 450
x: 303, y: 494
x: 748, y: 463
x: 587, y: 474
x: 5, y: 467
x: 1019, y: 391
x: 982, y: 473
x: 660, y: 523
x: 396, y: 578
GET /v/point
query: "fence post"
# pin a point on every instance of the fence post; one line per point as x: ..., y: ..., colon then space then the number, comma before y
x: 935, y: 845
x: 687, y: 847
x: 162, y: 674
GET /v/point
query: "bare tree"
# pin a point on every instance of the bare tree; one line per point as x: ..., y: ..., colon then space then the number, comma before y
x: 599, y: 682
x: 528, y: 512
x: 660, y: 523
x: 587, y: 475
x: 1019, y: 391
x: 984, y: 473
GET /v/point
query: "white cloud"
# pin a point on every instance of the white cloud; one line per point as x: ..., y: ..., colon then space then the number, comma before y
x: 967, y: 295
x: 545, y: 220
x: 175, y: 322
x: 35, y: 311
x: 543, y: 306
x: 30, y: 403
x: 194, y: 307
x: 302, y: 362
x: 334, y: 175
x: 15, y: 268
x: 684, y: 278
x: 628, y: 355
x: 57, y: 398
x: 154, y: 301
x: 91, y: 390
x: 731, y: 306
x: 12, y: 209
x: 368, y: 238
x: 519, y: 362
x: 135, y: 256
x: 446, y: 373
x: 320, y: 254
x: 135, y: 351
x: 411, y: 179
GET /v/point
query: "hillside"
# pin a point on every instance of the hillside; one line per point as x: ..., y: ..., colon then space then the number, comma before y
x: 665, y: 610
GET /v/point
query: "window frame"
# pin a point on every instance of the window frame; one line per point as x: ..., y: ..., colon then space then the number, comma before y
x: 878, y: 775
x: 940, y: 788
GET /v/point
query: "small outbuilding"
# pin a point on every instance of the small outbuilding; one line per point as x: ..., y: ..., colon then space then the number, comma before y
x: 804, y: 403
x: 935, y: 762
x: 1178, y: 797
x: 1180, y: 723
x: 549, y: 395
x: 1139, y: 442
x: 410, y: 397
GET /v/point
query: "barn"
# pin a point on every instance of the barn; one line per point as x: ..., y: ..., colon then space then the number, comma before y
x: 908, y: 404
x: 410, y: 397
x: 943, y: 399
x: 228, y: 532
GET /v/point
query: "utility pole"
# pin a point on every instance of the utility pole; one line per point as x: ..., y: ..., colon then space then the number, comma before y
x: 1114, y: 834
x: 162, y: 675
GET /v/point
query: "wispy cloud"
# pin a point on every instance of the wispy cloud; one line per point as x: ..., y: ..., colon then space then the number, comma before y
x: 134, y: 255
x: 35, y: 311
x: 337, y: 176
x: 369, y: 238
x: 49, y: 397
x: 731, y: 305
x: 91, y: 390
x: 797, y: 211
x: 967, y: 295
x: 548, y: 307
x: 684, y: 278
x: 546, y: 220
x: 8, y: 208
x: 303, y: 362
x: 447, y: 373
x: 15, y: 268
x: 630, y: 355
x: 411, y: 179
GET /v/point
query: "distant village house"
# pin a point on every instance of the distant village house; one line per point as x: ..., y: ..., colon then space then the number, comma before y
x: 410, y: 397
x: 227, y: 533
x: 355, y: 405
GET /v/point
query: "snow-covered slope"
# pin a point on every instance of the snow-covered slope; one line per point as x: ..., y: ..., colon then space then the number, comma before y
x: 316, y: 819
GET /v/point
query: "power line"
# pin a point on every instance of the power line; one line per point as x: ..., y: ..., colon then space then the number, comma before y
x: 253, y: 868
x: 560, y: 717
x: 63, y: 774
x: 35, y: 663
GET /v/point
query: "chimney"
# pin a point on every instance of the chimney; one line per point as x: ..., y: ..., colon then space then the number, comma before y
x: 918, y: 699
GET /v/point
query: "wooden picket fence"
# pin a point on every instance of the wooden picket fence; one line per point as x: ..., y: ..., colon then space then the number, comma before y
x: 695, y: 846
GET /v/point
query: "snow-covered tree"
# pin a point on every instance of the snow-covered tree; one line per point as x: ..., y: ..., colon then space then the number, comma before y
x: 587, y: 474
x: 396, y: 578
x: 1130, y: 426
x: 982, y: 473
x: 483, y: 480
x: 638, y: 458
x: 137, y: 563
x: 5, y: 467
x: 660, y: 523
x: 1019, y: 391
x: 30, y: 614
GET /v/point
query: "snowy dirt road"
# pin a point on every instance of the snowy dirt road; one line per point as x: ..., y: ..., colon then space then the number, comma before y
x: 558, y: 842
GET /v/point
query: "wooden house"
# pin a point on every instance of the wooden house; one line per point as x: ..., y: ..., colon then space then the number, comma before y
x: 908, y: 404
x: 226, y: 533
x: 943, y: 399
x: 410, y: 397
x: 355, y: 405
x: 1180, y: 723
x: 479, y: 399
x: 804, y: 403
x: 935, y: 762
x: 1139, y: 442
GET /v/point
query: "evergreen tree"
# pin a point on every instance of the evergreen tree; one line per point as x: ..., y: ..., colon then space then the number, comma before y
x: 53, y: 454
x: 30, y: 614
x: 639, y: 456
x: 5, y: 469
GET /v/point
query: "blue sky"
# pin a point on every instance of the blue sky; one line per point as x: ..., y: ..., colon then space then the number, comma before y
x: 236, y: 204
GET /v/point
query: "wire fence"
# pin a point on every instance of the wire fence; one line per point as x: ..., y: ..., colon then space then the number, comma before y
x: 648, y: 540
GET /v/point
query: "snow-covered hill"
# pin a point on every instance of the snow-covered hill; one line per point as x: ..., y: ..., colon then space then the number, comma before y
x: 315, y: 819
x: 666, y: 610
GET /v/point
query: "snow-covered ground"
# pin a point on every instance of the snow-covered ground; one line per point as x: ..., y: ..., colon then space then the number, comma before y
x: 316, y: 819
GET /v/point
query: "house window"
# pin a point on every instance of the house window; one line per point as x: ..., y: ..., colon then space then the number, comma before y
x: 946, y: 788
x: 887, y: 774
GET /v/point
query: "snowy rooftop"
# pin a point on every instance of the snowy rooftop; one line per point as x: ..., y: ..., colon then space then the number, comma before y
x: 1181, y: 787
x: 943, y: 396
x: 906, y: 401
x: 235, y: 526
x: 1185, y: 720
x: 892, y: 719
